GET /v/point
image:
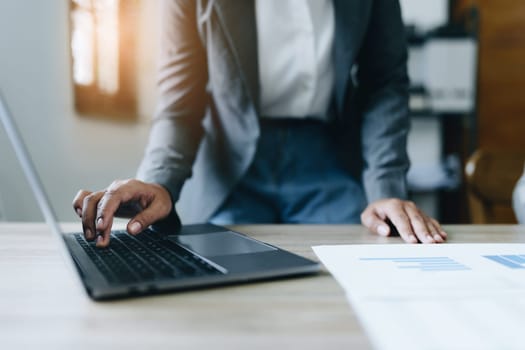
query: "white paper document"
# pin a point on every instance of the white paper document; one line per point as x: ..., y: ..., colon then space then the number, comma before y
x: 444, y: 296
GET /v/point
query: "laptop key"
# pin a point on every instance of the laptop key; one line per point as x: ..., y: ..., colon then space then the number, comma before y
x: 133, y: 262
x: 144, y: 257
x: 111, y: 267
x: 138, y: 255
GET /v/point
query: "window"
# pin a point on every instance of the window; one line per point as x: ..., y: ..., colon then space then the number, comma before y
x: 104, y: 57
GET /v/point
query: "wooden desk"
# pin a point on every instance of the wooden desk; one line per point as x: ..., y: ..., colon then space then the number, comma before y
x: 41, y: 307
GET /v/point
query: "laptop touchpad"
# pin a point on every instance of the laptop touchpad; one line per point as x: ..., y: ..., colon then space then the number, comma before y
x: 221, y: 243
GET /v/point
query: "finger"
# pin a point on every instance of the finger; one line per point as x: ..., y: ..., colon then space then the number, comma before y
x: 103, y: 235
x: 103, y: 224
x: 401, y: 221
x: 375, y: 223
x: 419, y: 224
x: 78, y: 201
x: 438, y: 230
x: 89, y: 212
x: 106, y: 209
x: 434, y: 232
x: 152, y: 213
x: 439, y: 227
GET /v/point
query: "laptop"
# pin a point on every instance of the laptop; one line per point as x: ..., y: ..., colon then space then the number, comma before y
x: 195, y: 256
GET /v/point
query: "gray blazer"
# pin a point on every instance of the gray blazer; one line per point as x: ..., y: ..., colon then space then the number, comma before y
x: 205, y: 131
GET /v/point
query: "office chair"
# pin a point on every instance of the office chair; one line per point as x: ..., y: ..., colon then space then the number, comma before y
x: 491, y: 176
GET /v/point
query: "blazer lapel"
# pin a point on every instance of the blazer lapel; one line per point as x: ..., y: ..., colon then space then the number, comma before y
x: 238, y: 20
x: 350, y: 20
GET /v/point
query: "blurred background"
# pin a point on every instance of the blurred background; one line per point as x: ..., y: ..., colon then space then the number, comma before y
x: 79, y: 78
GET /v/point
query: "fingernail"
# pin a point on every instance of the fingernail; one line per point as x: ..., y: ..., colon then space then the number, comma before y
x: 88, y: 234
x: 100, y: 223
x: 79, y: 212
x: 135, y: 227
x: 99, y: 240
x: 383, y: 230
x: 412, y: 239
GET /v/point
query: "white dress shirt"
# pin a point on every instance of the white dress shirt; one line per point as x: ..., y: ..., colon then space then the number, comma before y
x: 295, y: 42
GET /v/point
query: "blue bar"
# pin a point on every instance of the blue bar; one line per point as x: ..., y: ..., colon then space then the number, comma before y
x: 443, y: 268
x: 504, y: 261
x: 516, y: 258
x: 431, y: 263
x: 436, y: 268
x: 421, y: 259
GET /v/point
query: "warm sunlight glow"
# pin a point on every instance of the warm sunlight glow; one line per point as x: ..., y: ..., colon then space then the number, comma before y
x: 82, y: 46
x: 95, y: 44
x: 107, y: 44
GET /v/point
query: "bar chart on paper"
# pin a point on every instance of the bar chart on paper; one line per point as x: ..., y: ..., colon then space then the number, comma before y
x: 431, y: 264
x: 465, y: 289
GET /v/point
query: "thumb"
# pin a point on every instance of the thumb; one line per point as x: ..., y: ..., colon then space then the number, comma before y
x: 145, y: 218
x: 375, y: 223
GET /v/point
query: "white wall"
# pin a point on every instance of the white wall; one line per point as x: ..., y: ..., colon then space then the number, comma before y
x: 70, y: 152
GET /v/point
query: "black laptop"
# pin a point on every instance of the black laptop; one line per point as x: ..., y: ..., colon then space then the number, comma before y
x: 195, y: 256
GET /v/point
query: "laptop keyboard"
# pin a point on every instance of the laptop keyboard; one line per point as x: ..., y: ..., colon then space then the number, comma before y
x: 145, y: 257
